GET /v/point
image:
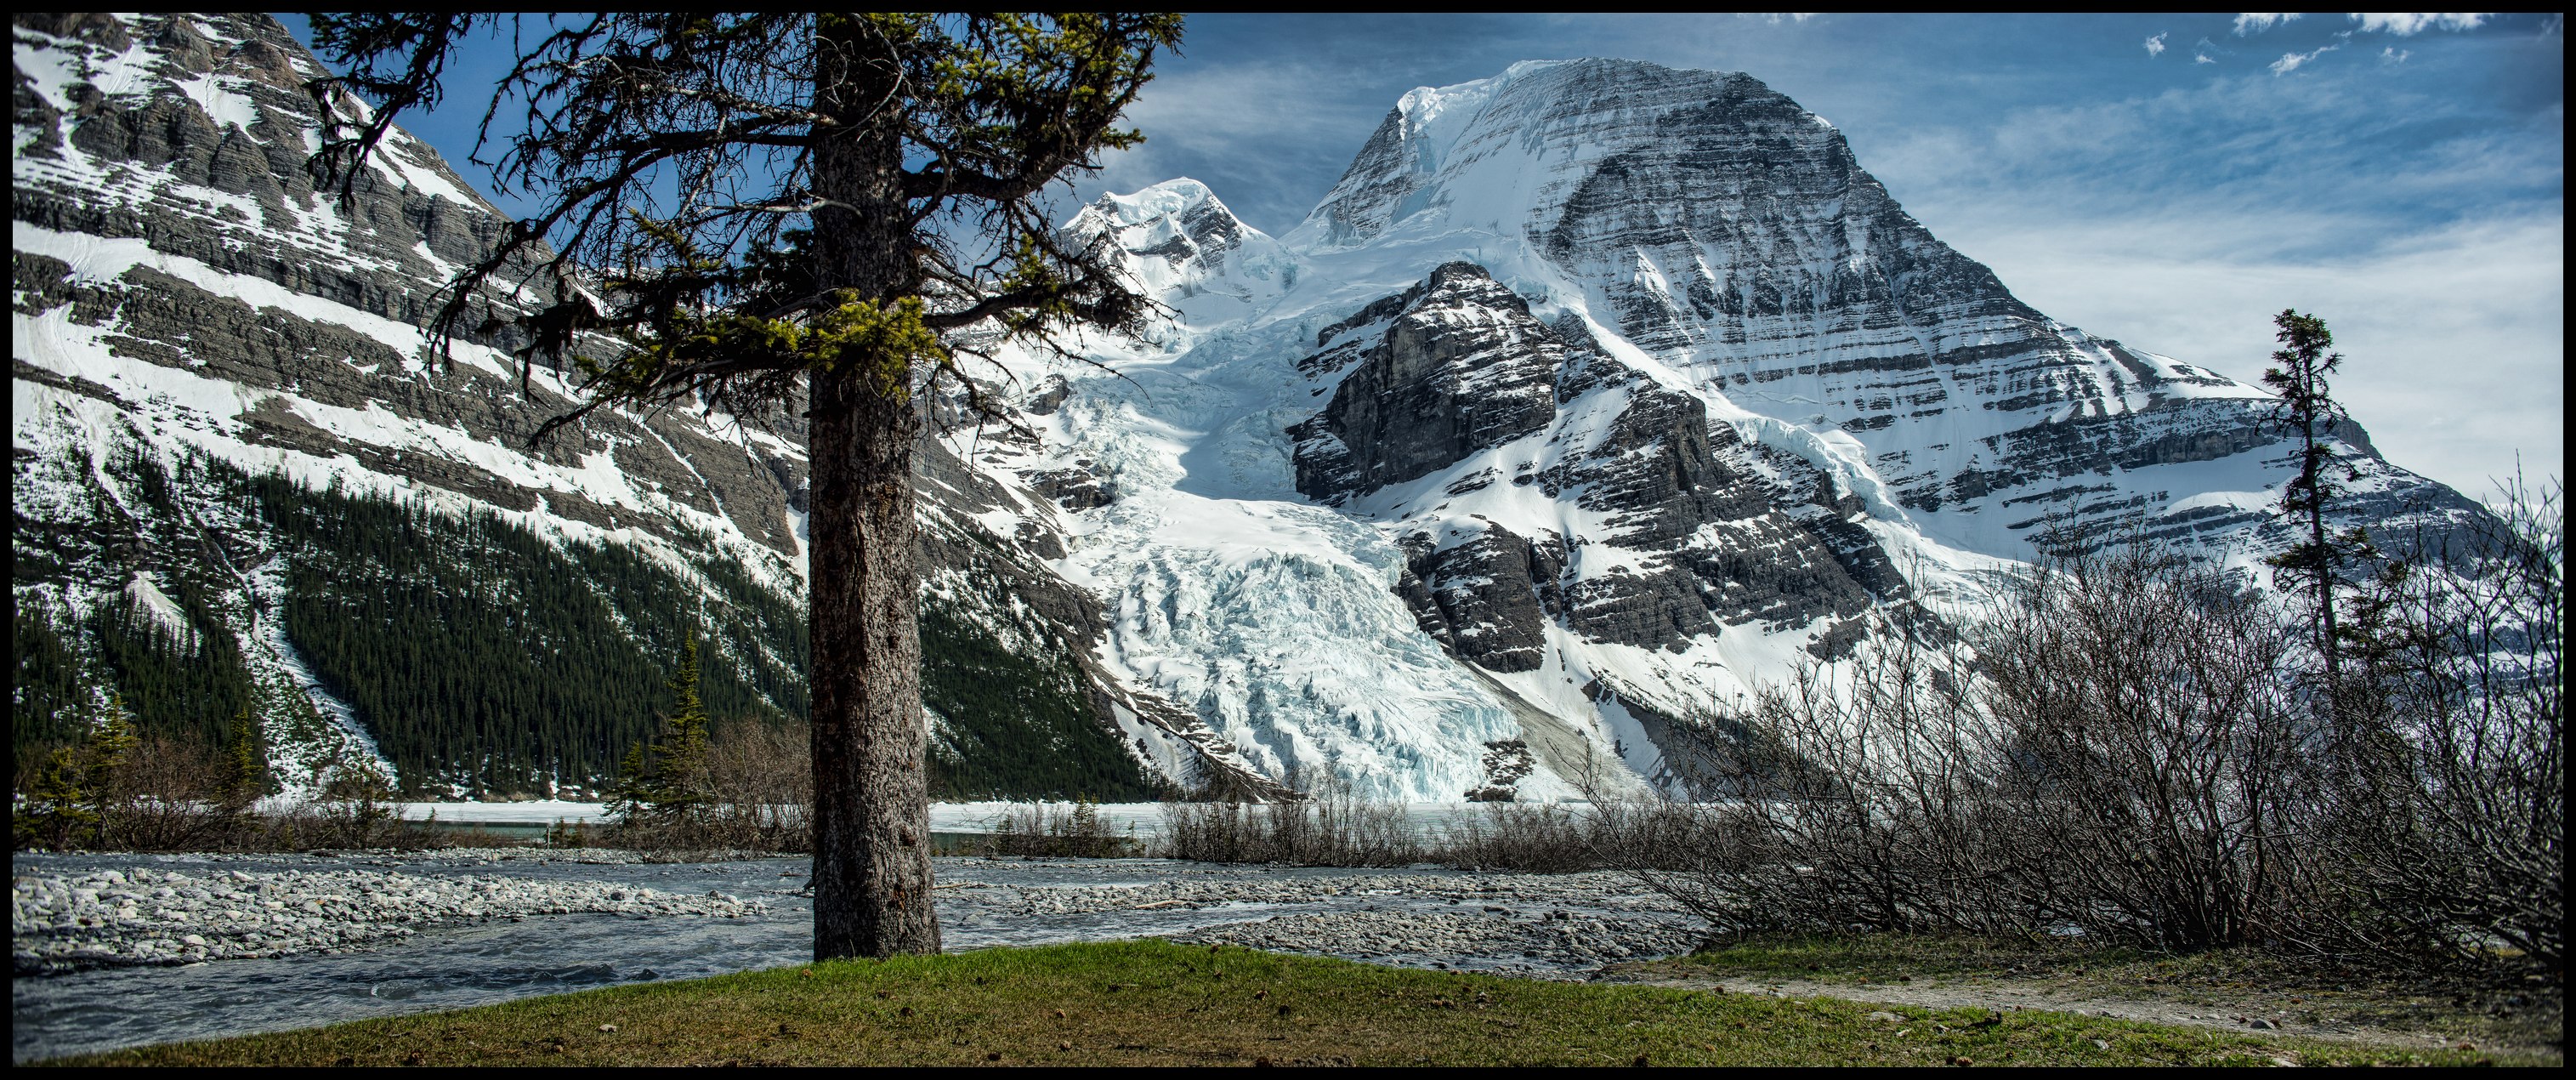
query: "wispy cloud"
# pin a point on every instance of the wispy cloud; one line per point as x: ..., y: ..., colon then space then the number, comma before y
x: 2156, y: 45
x: 2394, y: 55
x: 2255, y: 22
x: 1237, y: 128
x: 2290, y: 62
x: 2409, y: 23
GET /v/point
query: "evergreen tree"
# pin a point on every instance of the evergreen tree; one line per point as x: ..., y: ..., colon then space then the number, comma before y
x: 630, y: 795
x: 806, y: 208
x: 2312, y: 567
x: 102, y: 758
x: 244, y: 768
x: 669, y: 782
x: 680, y: 787
x: 60, y: 810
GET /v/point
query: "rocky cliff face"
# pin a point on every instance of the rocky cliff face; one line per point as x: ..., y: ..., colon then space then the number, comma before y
x: 1674, y: 535
x: 185, y: 301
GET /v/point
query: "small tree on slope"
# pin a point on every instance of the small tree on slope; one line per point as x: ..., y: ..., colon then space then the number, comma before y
x: 2313, y: 567
x: 781, y: 204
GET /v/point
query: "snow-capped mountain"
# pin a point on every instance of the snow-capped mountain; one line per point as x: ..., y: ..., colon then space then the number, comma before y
x: 1620, y: 389
x: 239, y: 482
x: 1594, y: 394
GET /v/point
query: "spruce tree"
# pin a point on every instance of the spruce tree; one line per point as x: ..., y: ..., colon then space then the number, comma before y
x: 244, y: 768
x: 825, y: 212
x: 2312, y: 567
x: 103, y: 757
x: 61, y: 803
x: 679, y: 785
x: 630, y: 794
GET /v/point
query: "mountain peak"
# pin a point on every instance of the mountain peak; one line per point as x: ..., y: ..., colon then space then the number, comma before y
x: 1181, y: 245
x: 1500, y: 154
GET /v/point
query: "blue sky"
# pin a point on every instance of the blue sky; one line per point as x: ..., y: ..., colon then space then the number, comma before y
x: 2167, y: 180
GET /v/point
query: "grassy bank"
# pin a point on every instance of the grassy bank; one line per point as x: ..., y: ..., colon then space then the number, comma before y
x: 1153, y: 1002
x: 2503, y: 1010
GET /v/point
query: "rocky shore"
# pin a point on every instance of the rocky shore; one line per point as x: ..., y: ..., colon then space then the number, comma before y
x: 111, y: 918
x: 230, y: 907
x: 1565, y: 923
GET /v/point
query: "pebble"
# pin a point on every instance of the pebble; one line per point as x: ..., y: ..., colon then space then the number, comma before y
x: 112, y: 918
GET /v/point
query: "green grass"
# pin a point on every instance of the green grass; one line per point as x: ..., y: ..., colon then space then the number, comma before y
x: 1158, y: 1003
x: 2506, y: 1010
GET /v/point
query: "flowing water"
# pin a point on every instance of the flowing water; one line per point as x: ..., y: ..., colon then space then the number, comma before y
x: 981, y: 903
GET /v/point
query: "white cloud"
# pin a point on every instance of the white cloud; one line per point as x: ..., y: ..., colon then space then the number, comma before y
x: 2453, y: 338
x: 2255, y: 22
x: 2290, y: 62
x: 2202, y: 58
x: 2394, y: 55
x: 2156, y: 45
x: 2409, y: 23
x: 1774, y: 17
x: 2441, y: 269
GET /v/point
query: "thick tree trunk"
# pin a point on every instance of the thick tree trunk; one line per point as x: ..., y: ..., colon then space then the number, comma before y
x: 871, y: 794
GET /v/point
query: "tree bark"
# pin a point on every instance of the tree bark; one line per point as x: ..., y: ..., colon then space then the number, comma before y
x: 872, y: 888
x: 871, y: 794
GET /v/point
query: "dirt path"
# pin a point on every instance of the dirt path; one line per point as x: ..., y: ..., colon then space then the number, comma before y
x: 2247, y: 1014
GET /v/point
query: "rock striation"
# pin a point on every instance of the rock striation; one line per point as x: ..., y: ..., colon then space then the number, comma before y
x: 1713, y: 223
x: 1456, y: 368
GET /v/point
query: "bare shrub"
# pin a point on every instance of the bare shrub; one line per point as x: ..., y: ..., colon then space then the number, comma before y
x: 1221, y: 832
x: 1855, y: 797
x: 1529, y: 838
x: 1076, y: 832
x: 758, y: 796
x: 2162, y: 767
x: 171, y: 793
x: 166, y: 800
x: 1335, y: 829
x: 2143, y: 750
x: 2454, y: 814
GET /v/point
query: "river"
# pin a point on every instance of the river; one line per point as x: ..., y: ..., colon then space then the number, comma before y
x: 1508, y: 923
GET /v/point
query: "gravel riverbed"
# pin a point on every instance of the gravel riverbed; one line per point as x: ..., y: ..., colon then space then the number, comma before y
x: 107, y: 918
x: 1568, y: 923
